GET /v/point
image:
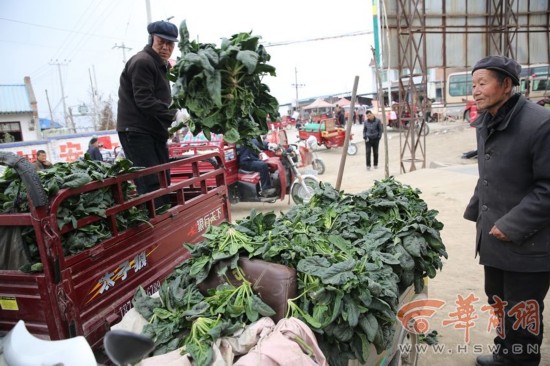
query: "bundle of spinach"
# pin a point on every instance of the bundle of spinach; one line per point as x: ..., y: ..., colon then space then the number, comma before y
x: 72, y: 175
x: 183, y: 316
x: 222, y: 88
x: 354, y: 255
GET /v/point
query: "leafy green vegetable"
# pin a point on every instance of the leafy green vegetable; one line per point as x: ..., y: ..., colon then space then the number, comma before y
x: 222, y: 88
x: 354, y: 255
x: 92, y: 203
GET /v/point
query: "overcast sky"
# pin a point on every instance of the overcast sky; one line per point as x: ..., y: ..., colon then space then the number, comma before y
x: 84, y: 38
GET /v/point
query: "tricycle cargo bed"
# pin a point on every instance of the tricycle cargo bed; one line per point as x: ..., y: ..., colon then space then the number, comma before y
x: 85, y: 293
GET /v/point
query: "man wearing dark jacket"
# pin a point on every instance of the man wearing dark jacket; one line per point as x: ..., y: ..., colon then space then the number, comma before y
x: 511, y: 207
x: 93, y: 149
x: 143, y: 107
x: 249, y: 159
x: 372, y: 132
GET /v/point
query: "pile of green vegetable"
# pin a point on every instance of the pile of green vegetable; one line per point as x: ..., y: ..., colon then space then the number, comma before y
x: 222, y: 88
x: 354, y: 255
x: 13, y: 198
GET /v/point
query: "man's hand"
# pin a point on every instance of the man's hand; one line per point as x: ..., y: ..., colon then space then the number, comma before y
x: 181, y: 115
x: 498, y: 234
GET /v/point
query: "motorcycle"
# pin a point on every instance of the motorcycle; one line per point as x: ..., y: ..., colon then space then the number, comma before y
x: 21, y: 348
x: 422, y: 129
x: 244, y: 186
x: 285, y: 177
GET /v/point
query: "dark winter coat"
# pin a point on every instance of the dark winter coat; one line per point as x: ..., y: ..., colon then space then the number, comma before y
x: 372, y: 129
x: 94, y: 152
x: 513, y: 188
x: 144, y: 96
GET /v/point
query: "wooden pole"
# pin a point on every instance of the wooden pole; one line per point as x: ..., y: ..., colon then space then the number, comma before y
x: 348, y: 134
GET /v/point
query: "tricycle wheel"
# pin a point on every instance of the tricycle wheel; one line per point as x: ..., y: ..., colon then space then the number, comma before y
x: 425, y: 128
x: 352, y: 148
x: 406, y: 354
x: 28, y: 174
x: 302, y: 192
x: 318, y: 166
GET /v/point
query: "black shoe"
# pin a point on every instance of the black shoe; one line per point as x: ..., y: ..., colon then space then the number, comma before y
x: 493, y: 360
x: 269, y: 192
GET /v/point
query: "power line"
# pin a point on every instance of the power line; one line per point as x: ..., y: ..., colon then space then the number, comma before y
x: 286, y: 43
x: 58, y: 29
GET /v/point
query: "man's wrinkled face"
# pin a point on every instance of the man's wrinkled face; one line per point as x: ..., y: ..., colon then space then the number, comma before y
x: 488, y: 91
x: 41, y: 157
x: 163, y: 47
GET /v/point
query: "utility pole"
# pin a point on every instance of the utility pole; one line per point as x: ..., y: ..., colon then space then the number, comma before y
x: 68, y: 122
x: 296, y: 85
x: 49, y: 106
x: 94, y: 100
x: 124, y: 48
x: 148, y: 10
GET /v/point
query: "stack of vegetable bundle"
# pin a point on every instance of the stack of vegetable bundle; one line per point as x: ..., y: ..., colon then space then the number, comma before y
x: 354, y: 255
x: 222, y: 88
x: 72, y: 175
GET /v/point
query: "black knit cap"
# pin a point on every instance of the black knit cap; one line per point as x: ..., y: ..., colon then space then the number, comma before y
x: 165, y: 30
x: 501, y: 64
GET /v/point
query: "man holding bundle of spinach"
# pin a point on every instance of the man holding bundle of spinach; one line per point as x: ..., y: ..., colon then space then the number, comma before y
x: 144, y: 94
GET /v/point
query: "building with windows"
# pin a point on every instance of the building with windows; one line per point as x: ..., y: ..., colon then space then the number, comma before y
x: 18, y: 113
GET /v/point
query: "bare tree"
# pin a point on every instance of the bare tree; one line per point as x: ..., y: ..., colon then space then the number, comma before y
x: 107, y: 121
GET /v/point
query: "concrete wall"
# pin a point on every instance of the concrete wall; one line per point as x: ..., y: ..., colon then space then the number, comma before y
x: 64, y: 148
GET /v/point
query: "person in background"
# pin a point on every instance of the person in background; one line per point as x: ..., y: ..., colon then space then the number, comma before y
x: 249, y: 159
x: 372, y: 132
x: 361, y: 111
x: 341, y: 117
x: 428, y: 110
x: 511, y: 208
x: 42, y: 162
x: 144, y: 115
x: 93, y: 149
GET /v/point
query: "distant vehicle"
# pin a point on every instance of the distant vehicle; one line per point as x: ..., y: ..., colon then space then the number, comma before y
x: 534, y: 84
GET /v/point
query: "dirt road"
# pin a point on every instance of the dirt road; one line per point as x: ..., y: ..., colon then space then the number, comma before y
x: 446, y: 189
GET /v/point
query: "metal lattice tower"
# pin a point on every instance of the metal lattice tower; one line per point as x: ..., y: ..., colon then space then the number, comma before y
x: 409, y: 26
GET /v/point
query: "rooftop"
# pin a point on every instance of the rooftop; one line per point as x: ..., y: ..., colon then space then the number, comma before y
x: 14, y: 99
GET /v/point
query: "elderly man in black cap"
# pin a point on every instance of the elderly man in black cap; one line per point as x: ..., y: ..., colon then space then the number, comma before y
x: 143, y: 106
x: 511, y: 207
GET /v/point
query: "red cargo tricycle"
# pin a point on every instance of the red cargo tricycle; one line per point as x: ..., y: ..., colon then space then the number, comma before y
x: 327, y: 135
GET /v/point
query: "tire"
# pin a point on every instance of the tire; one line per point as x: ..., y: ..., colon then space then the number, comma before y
x: 352, y: 148
x: 318, y: 166
x: 425, y: 128
x: 401, y: 356
x: 28, y: 174
x: 301, y: 194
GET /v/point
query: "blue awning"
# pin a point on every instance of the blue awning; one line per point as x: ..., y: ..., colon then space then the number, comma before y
x: 48, y: 123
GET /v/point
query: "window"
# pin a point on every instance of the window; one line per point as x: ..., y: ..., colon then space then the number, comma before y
x: 460, y: 85
x: 10, y: 132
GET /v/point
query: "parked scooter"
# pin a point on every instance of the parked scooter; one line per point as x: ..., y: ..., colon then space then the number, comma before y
x: 21, y: 348
x: 308, y: 155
